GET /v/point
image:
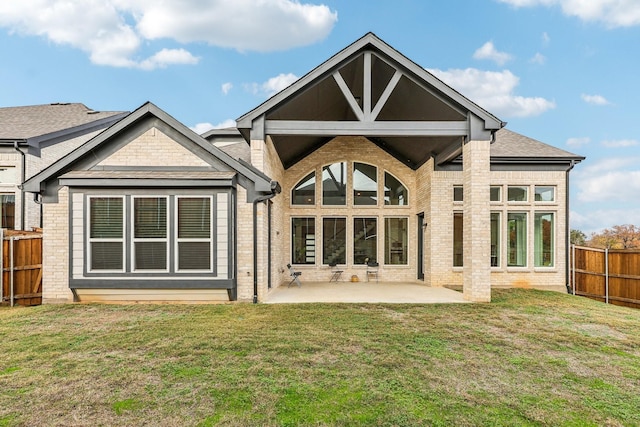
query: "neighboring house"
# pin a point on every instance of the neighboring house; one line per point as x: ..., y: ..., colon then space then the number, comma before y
x: 378, y: 161
x: 31, y: 138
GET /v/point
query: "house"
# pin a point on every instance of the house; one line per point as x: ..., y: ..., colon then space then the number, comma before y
x: 32, y: 137
x: 366, y: 159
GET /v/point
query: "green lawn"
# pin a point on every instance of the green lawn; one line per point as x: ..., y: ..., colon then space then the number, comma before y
x: 528, y: 358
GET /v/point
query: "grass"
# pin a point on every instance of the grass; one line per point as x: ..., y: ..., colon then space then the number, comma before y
x: 530, y: 358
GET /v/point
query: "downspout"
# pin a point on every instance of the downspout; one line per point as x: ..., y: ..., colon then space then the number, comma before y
x: 567, y: 228
x: 23, y: 178
x: 37, y: 199
x: 275, y: 189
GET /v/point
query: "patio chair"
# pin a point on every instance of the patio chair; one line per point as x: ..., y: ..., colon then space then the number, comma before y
x: 294, y: 276
x: 335, y: 272
x: 372, y: 270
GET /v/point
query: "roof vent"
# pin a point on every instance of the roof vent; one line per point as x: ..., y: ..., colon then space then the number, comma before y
x: 92, y: 112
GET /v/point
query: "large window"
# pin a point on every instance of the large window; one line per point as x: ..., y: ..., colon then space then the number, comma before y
x: 365, y: 240
x: 334, y: 184
x: 458, y: 236
x: 106, y: 234
x: 334, y: 240
x: 8, y: 210
x: 517, y: 241
x: 543, y: 240
x: 395, y: 193
x: 194, y: 238
x: 303, y: 239
x: 365, y: 184
x: 304, y: 193
x: 150, y: 233
x: 395, y: 241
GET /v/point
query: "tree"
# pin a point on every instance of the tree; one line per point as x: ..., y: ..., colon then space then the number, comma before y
x: 625, y: 236
x: 577, y: 237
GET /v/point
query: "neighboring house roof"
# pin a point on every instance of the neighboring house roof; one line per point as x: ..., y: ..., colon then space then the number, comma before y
x: 38, y: 125
x: 89, y: 154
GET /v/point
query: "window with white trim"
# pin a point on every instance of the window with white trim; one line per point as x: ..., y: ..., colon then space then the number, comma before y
x: 543, y: 239
x: 517, y: 240
x: 106, y: 234
x: 194, y: 239
x: 150, y: 234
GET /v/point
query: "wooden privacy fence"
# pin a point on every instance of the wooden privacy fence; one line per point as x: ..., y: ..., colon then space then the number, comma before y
x: 21, y: 257
x: 608, y: 275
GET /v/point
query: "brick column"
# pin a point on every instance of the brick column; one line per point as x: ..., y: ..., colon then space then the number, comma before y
x: 477, y: 229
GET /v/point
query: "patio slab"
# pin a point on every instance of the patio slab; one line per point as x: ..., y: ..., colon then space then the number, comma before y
x: 362, y: 292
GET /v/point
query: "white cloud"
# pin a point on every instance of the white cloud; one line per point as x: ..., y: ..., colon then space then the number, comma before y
x: 226, y: 87
x: 609, y: 179
x: 594, y: 99
x: 168, y: 57
x: 546, y: 39
x: 489, y: 51
x: 494, y: 91
x: 273, y: 85
x: 577, y: 142
x: 613, y: 13
x: 597, y: 220
x: 201, y: 128
x: 620, y: 143
x: 112, y: 32
x: 538, y: 58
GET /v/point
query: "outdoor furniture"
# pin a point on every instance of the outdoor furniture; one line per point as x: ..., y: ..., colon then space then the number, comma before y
x: 335, y: 272
x: 294, y: 276
x: 372, y: 270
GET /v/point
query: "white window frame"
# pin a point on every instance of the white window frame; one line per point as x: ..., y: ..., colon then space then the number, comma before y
x: 178, y: 240
x: 91, y: 240
x: 552, y: 187
x: 135, y: 239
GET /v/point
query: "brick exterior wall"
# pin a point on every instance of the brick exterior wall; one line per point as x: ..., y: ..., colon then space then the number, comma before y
x: 55, y: 251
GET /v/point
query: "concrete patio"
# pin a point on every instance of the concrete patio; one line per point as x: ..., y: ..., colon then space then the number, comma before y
x: 362, y: 292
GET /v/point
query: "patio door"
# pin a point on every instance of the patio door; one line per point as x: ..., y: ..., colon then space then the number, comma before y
x: 420, y: 260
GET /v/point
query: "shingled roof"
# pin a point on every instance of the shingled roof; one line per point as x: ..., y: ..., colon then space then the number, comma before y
x: 27, y: 123
x: 512, y: 145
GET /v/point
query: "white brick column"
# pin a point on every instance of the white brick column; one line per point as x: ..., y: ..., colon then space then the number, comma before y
x: 477, y: 229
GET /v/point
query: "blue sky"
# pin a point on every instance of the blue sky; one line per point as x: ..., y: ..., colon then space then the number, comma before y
x: 561, y: 71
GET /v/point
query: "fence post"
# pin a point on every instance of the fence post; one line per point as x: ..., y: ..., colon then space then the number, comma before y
x: 573, y: 269
x: 606, y: 275
x: 11, y: 269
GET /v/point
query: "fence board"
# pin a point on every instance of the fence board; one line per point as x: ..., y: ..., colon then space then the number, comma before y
x: 26, y: 271
x: 592, y: 267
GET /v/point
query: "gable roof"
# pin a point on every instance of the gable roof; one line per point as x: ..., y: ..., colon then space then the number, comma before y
x: 37, y: 124
x: 512, y: 145
x: 370, y: 89
x: 46, y: 182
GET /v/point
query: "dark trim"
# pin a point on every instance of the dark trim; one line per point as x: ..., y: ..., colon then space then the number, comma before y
x: 146, y: 182
x: 175, y: 283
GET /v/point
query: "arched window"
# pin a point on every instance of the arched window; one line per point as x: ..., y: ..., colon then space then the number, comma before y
x: 304, y: 193
x: 395, y: 193
x: 334, y: 184
x: 365, y: 184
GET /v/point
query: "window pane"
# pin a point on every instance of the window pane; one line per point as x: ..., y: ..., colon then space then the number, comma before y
x: 304, y: 193
x: 543, y: 240
x: 365, y: 184
x: 517, y: 194
x: 334, y: 240
x: 105, y: 217
x: 8, y: 209
x: 395, y: 243
x: 194, y: 255
x: 150, y: 217
x: 517, y: 228
x: 303, y: 240
x: 458, y: 194
x: 545, y: 194
x: 194, y: 217
x: 150, y: 255
x: 495, y: 194
x: 457, y: 239
x: 334, y: 184
x: 394, y: 192
x: 365, y: 240
x: 8, y: 175
x: 495, y: 239
x: 106, y: 256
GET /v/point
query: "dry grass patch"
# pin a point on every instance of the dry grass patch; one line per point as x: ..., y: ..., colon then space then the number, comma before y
x: 529, y: 358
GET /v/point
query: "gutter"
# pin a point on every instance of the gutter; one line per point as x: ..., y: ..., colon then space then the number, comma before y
x: 22, y: 180
x: 275, y: 189
x: 567, y: 228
